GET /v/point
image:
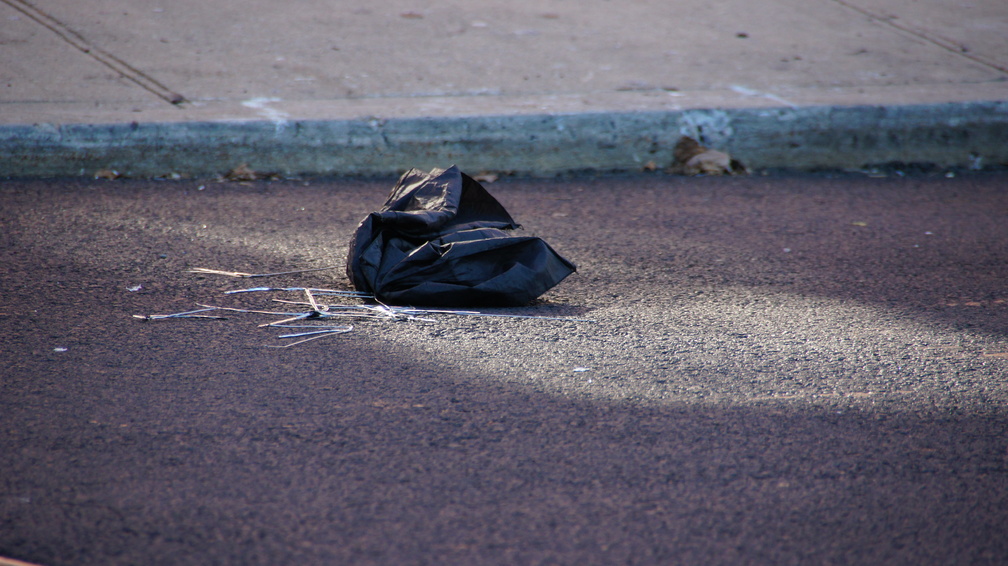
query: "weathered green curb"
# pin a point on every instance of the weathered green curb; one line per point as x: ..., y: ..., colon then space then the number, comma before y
x: 803, y: 138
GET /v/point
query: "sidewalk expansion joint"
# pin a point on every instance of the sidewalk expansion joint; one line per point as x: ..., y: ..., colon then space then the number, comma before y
x: 946, y: 44
x: 78, y: 41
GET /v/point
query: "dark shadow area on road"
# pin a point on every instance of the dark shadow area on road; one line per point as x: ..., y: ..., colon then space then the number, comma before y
x: 191, y: 443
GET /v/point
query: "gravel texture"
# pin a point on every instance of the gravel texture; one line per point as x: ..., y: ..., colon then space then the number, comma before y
x: 781, y: 369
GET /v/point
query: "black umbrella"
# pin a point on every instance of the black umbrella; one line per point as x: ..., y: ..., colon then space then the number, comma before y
x: 442, y: 240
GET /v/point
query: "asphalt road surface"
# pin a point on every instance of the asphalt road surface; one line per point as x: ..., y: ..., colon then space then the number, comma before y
x: 780, y: 370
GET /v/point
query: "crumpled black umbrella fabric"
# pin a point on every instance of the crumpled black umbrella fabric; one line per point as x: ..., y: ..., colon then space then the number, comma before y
x: 442, y: 240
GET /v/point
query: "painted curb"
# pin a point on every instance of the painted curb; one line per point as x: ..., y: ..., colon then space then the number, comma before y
x: 798, y: 138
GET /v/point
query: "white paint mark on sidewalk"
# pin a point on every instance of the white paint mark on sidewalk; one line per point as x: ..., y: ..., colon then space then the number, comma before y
x: 261, y: 105
x: 746, y: 91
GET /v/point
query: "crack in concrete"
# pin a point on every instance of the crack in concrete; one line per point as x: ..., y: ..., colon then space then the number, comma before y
x: 946, y: 44
x: 78, y: 41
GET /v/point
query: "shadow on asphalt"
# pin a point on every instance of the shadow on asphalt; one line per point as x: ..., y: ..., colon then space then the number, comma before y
x: 191, y: 443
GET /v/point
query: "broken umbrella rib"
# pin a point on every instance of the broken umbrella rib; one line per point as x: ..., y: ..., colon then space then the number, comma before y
x: 186, y: 314
x: 314, y: 290
x: 311, y: 299
x: 291, y: 316
x: 243, y: 274
x: 331, y: 330
x: 310, y: 338
x: 250, y: 311
x: 315, y: 326
x: 362, y: 311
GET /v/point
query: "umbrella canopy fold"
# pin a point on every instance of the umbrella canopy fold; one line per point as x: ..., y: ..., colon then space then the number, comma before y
x: 442, y: 240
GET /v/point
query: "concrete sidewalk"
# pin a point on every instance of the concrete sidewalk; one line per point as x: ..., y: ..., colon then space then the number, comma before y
x: 149, y: 87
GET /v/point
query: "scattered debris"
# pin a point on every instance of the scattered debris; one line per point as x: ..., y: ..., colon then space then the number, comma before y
x: 691, y: 158
x: 976, y: 162
x: 244, y: 173
x: 59, y: 349
x: 378, y: 310
x: 134, y: 288
x: 110, y: 174
x: 241, y: 173
x: 316, y: 318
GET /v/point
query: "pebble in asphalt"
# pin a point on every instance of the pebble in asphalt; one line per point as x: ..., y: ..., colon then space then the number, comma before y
x: 781, y: 369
